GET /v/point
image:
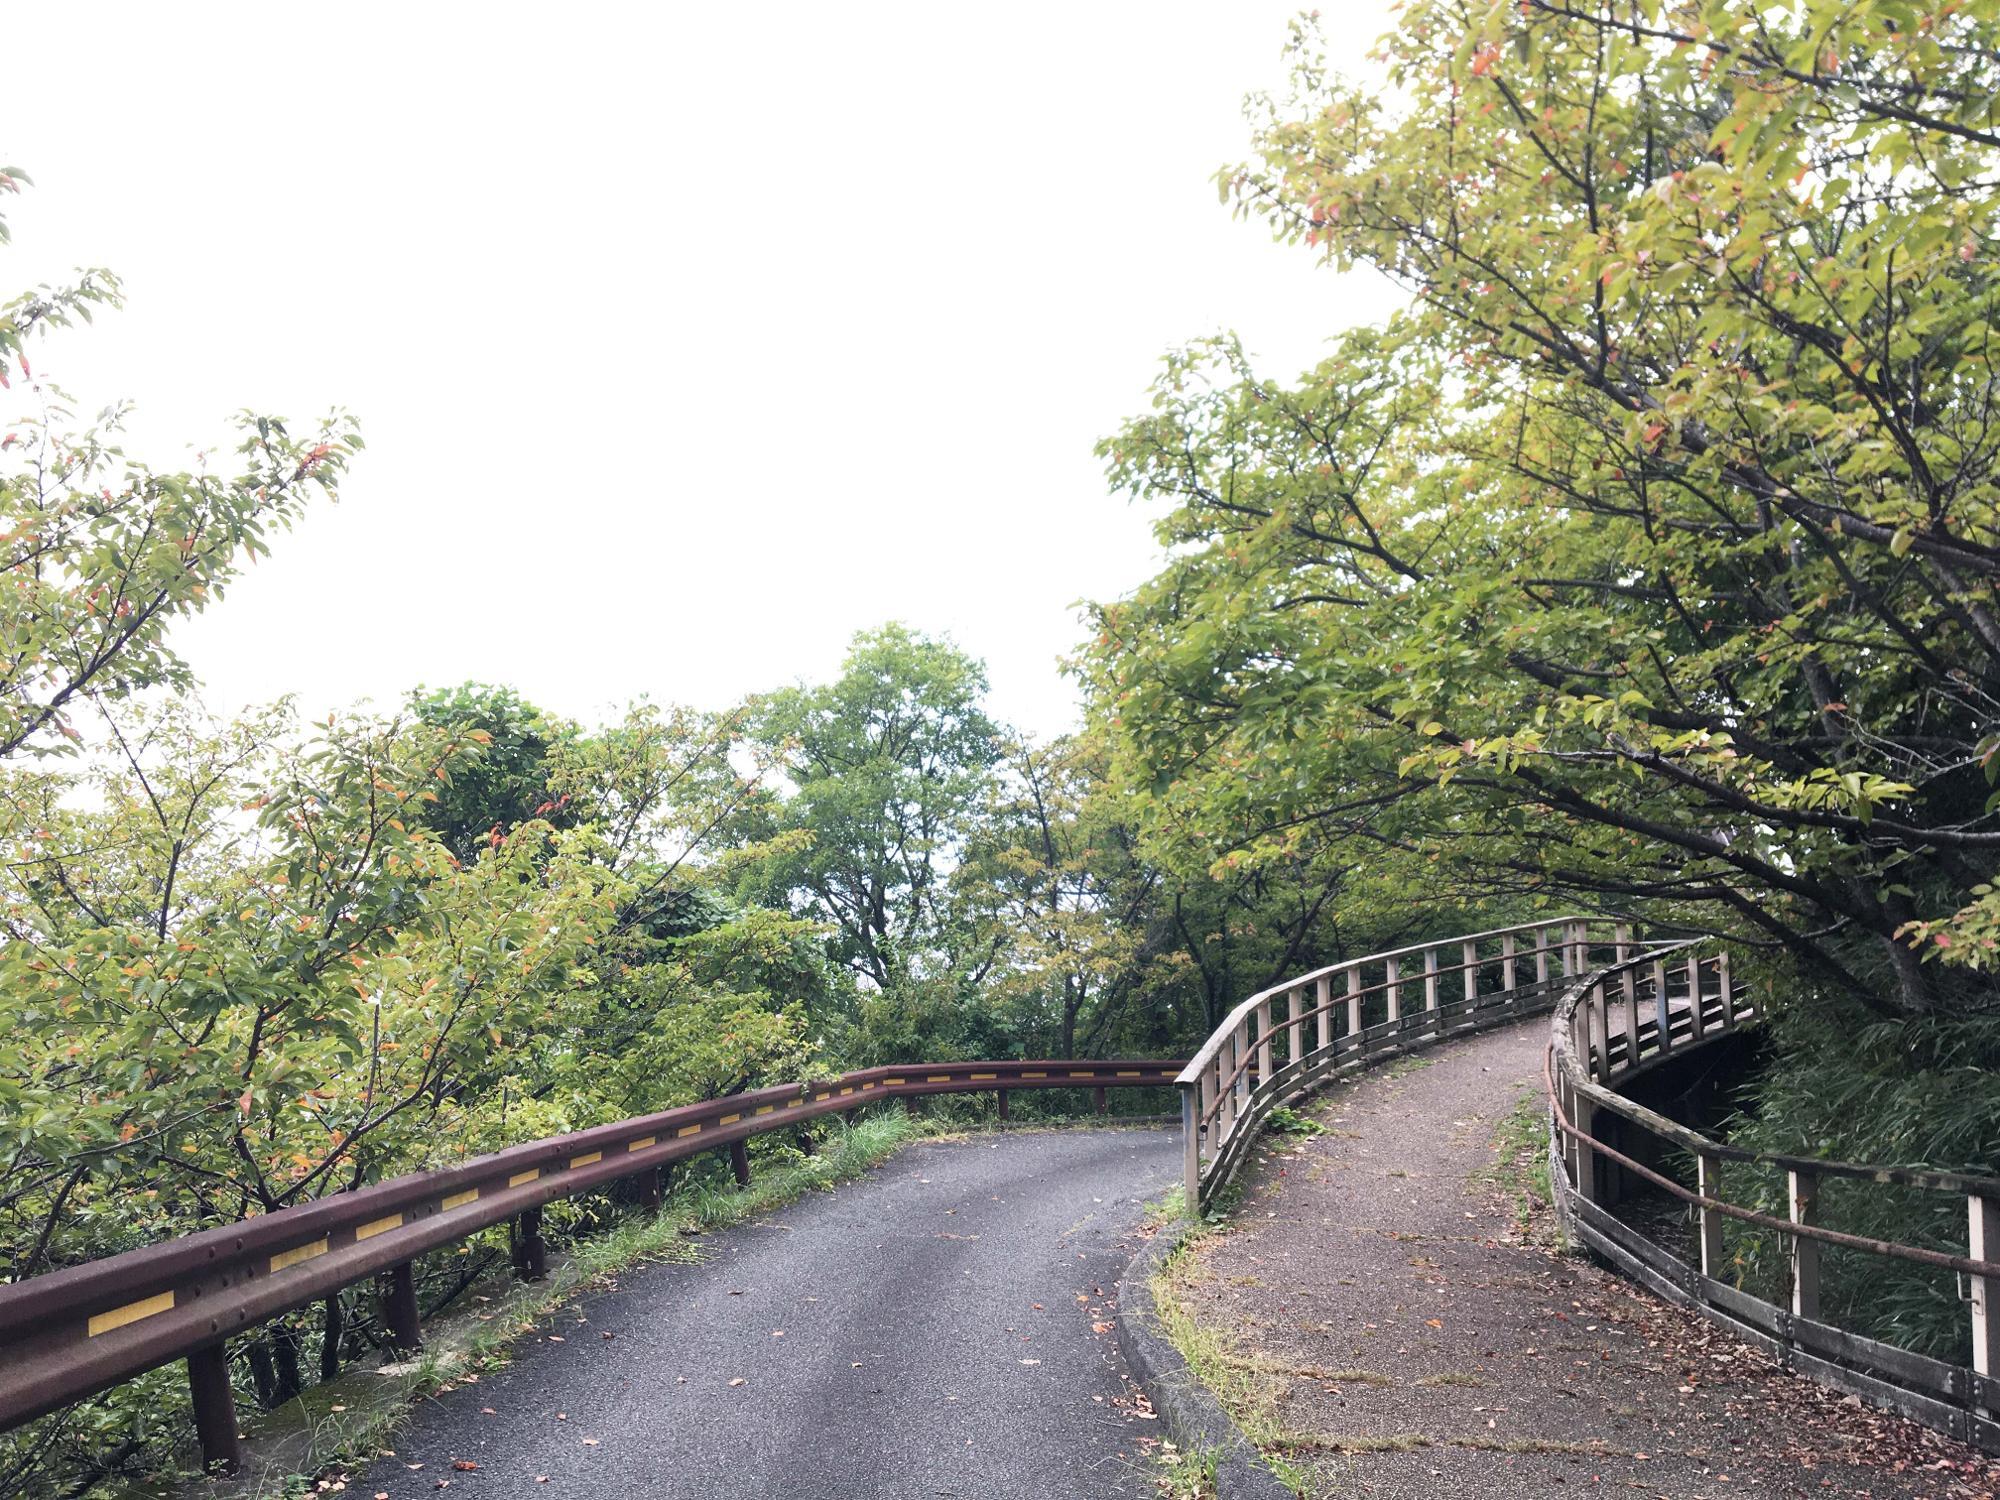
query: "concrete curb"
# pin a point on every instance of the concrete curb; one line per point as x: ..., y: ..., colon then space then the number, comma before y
x: 1188, y: 1410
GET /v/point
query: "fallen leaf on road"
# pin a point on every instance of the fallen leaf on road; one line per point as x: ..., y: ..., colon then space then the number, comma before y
x: 590, y: 1442
x: 464, y: 1465
x: 739, y: 1380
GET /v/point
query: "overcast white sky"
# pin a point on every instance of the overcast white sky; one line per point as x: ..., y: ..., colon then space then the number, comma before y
x: 687, y: 340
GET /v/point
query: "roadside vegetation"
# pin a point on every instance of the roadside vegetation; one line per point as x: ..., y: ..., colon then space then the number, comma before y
x: 1645, y: 564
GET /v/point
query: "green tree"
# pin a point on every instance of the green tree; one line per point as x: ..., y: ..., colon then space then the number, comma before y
x: 508, y: 784
x: 1650, y: 557
x: 885, y: 772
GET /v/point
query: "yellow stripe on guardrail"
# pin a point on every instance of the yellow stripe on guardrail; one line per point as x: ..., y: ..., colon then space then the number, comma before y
x: 131, y: 1312
x: 374, y: 1227
x: 298, y: 1253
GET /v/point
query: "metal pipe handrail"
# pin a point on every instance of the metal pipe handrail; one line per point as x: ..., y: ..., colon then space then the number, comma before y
x: 1585, y: 1056
x: 1255, y: 1056
x: 1937, y: 1179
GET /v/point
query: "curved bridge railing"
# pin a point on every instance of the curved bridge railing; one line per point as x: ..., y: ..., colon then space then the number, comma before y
x: 71, y: 1333
x: 1299, y: 1034
x: 1642, y: 1009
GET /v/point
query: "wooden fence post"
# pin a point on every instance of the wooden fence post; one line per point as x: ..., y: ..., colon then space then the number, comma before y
x: 1325, y: 1007
x: 1190, y: 1151
x: 1694, y: 997
x: 1983, y: 1243
x: 1542, y: 957
x: 1430, y: 985
x: 214, y: 1409
x: 1728, y: 996
x: 1708, y: 1182
x: 1507, y: 964
x: 1583, y: 1170
x: 1263, y: 1042
x: 1354, y: 1001
x: 1802, y: 1190
x: 1663, y: 1018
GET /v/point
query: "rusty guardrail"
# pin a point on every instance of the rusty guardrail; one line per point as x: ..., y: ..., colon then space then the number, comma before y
x: 1632, y: 1015
x: 73, y: 1332
x: 1303, y: 1032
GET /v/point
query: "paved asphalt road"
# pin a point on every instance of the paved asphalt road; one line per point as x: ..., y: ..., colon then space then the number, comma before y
x: 940, y: 1324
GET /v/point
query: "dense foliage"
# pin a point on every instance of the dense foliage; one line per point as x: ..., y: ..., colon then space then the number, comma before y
x: 1648, y: 560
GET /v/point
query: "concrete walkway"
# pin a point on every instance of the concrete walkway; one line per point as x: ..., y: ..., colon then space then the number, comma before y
x: 939, y: 1327
x: 1397, y: 1327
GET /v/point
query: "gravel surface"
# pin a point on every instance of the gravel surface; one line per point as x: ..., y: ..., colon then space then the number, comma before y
x: 1405, y: 1333
x: 940, y: 1327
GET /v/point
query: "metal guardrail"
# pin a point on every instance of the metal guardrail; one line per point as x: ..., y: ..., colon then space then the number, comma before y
x: 1642, y: 1010
x: 71, y: 1333
x: 1301, y: 1033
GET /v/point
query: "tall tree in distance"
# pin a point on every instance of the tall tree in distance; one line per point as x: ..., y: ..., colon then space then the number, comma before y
x: 886, y: 769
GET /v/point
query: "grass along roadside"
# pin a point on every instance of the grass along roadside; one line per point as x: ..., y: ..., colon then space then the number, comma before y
x: 1247, y: 1388
x: 1520, y: 1169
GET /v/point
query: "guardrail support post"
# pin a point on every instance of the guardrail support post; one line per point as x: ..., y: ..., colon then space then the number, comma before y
x: 1708, y: 1182
x: 739, y: 1162
x: 1003, y: 1104
x: 1098, y: 1099
x: 1190, y: 1151
x: 399, y: 1307
x: 1803, y: 1193
x: 1983, y: 1243
x: 214, y: 1409
x: 531, y: 1253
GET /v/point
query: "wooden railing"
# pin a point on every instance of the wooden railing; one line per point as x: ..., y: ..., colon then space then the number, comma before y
x: 73, y: 1332
x: 1299, y: 1034
x: 1640, y: 1011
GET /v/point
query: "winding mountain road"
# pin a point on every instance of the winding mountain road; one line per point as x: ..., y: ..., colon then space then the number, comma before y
x: 939, y: 1327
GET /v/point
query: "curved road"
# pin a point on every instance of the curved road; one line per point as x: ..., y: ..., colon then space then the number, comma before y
x: 939, y: 1327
